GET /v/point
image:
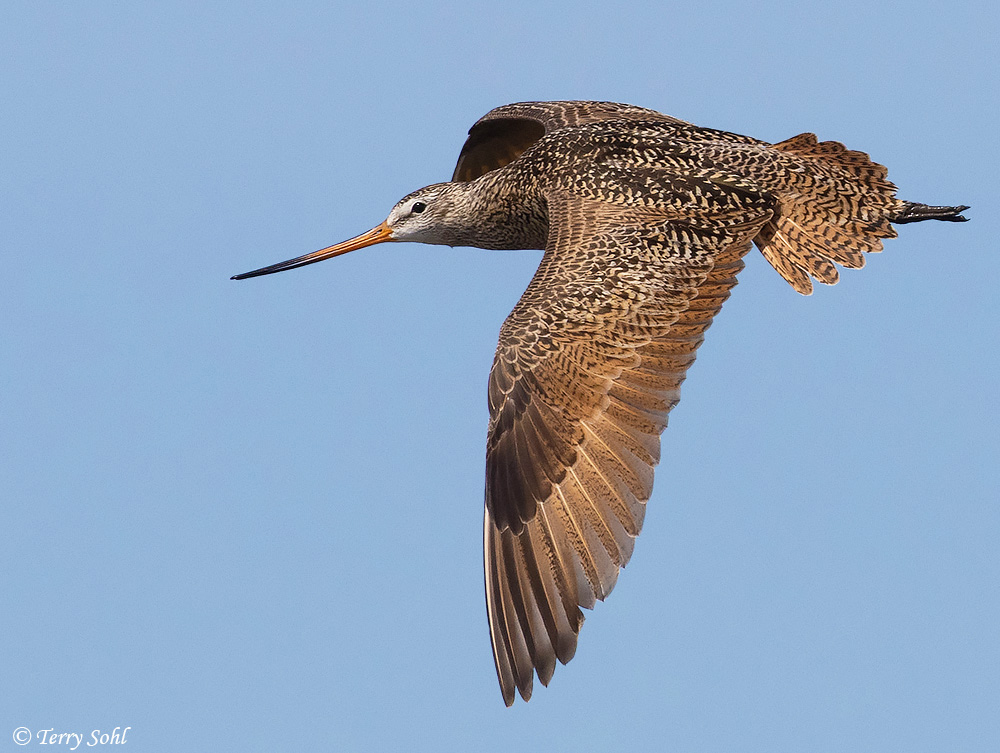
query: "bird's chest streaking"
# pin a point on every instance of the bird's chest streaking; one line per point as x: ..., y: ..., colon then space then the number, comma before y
x: 505, y: 210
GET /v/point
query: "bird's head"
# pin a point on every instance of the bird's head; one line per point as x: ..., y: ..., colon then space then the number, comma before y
x: 428, y: 215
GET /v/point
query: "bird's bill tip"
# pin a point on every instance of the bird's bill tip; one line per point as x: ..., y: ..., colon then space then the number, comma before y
x: 379, y: 234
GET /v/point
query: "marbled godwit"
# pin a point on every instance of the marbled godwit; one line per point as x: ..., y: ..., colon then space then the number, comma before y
x: 644, y: 220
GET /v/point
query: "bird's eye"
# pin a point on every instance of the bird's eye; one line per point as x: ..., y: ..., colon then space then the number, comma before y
x: 418, y: 207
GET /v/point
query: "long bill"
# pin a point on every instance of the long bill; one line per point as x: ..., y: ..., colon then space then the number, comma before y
x: 379, y: 234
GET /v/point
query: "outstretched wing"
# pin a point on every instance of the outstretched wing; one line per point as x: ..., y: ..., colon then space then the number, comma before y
x: 504, y: 133
x: 589, y: 363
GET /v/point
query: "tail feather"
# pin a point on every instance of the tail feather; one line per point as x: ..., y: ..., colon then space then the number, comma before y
x: 835, y: 205
x: 835, y: 153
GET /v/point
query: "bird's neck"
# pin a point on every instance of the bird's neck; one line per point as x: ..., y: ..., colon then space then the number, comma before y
x: 508, y: 214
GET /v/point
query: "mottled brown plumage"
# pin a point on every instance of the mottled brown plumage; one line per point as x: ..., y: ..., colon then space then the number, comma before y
x: 645, y: 220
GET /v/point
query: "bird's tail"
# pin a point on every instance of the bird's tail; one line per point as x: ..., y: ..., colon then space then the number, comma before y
x: 835, y: 205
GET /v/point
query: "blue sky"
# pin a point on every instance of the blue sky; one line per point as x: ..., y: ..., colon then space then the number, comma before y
x: 247, y: 516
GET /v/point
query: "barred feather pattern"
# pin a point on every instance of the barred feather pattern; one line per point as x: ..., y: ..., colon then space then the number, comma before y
x: 590, y: 363
x: 644, y: 220
x: 835, y: 206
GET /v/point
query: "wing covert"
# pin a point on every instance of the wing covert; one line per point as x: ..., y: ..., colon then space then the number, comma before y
x: 504, y: 133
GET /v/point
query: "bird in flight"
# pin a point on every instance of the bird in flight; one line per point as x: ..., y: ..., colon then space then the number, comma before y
x: 644, y: 220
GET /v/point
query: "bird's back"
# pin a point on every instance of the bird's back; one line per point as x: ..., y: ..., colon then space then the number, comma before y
x: 830, y: 204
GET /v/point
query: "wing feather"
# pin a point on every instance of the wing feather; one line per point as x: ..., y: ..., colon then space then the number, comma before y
x: 589, y: 364
x: 505, y: 133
